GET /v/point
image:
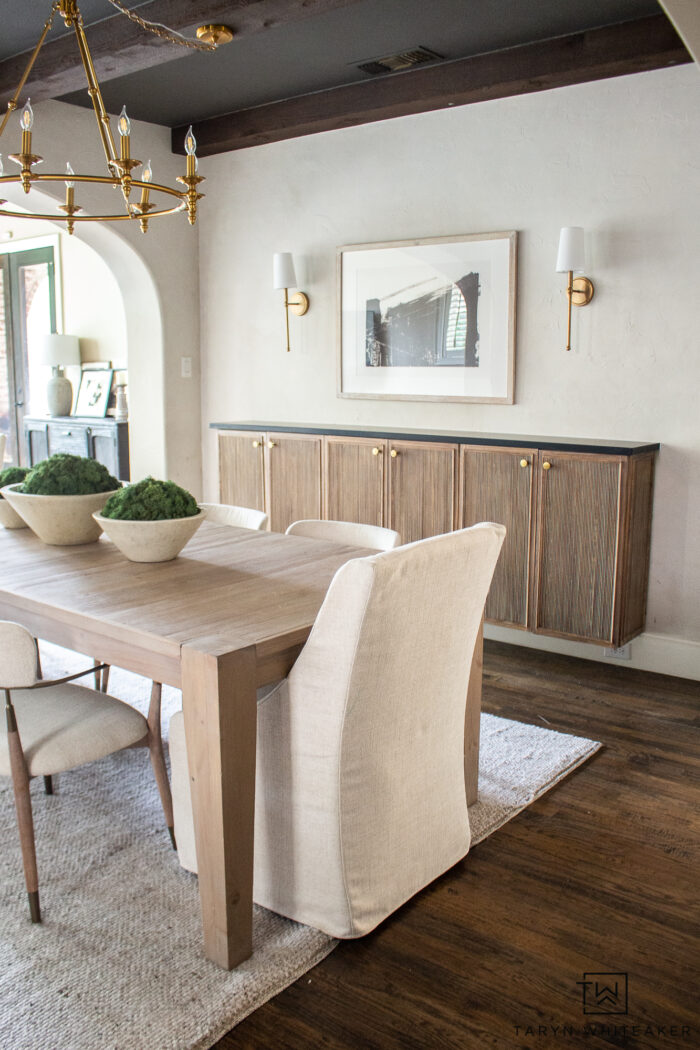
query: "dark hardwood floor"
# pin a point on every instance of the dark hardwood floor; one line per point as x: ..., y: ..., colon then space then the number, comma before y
x: 598, y: 876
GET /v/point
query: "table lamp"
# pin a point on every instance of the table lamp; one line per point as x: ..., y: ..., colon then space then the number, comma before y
x: 60, y: 351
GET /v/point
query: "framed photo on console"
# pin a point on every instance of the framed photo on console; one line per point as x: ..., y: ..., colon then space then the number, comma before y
x: 94, y: 391
x: 428, y: 320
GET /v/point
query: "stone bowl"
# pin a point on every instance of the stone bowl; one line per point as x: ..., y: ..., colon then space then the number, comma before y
x: 9, y: 518
x: 150, y: 540
x: 62, y: 521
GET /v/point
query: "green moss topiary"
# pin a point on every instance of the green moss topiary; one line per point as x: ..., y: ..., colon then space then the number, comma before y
x: 11, y: 476
x: 66, y: 475
x: 151, y: 500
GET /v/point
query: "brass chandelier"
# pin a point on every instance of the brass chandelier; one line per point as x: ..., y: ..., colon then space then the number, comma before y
x: 120, y: 165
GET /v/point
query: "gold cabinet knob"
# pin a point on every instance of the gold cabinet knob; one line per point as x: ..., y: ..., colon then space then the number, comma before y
x: 271, y: 444
x: 393, y: 453
x: 376, y: 451
x: 546, y: 465
x: 256, y: 444
x: 524, y: 462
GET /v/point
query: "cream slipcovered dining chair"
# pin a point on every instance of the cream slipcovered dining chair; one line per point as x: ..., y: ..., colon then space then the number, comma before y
x: 360, y: 793
x: 355, y: 535
x: 53, y: 726
x: 241, y: 517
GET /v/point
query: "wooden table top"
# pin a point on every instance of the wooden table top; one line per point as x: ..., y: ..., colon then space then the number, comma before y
x: 228, y: 589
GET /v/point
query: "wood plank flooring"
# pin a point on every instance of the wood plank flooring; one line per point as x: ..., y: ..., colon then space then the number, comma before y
x: 598, y: 876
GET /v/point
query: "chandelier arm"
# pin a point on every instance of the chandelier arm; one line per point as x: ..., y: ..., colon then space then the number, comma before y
x: 12, y: 104
x: 95, y: 94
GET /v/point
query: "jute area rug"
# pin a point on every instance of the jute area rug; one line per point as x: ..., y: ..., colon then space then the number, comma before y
x: 117, y: 962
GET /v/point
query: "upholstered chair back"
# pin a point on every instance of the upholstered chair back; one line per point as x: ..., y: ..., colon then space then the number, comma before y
x: 360, y: 788
x: 240, y: 517
x: 18, y: 656
x: 373, y: 537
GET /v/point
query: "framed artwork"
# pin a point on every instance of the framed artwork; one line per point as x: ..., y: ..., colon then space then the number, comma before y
x: 94, y: 391
x: 428, y: 320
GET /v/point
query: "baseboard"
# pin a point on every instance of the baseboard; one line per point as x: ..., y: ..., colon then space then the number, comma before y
x: 649, y: 652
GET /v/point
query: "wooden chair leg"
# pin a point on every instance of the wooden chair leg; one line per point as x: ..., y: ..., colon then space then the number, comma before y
x: 155, y: 748
x: 25, y: 822
x: 105, y: 678
x: 48, y: 786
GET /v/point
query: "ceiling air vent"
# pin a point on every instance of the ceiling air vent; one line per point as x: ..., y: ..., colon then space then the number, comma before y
x: 397, y: 63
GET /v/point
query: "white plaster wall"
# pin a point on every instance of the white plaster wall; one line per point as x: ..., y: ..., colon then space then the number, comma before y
x: 620, y: 157
x: 157, y: 276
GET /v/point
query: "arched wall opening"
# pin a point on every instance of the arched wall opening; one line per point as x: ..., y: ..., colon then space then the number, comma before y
x: 144, y: 331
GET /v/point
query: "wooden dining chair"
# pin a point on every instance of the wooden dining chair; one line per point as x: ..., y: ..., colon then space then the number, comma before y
x: 53, y: 726
x: 352, y: 533
x: 240, y: 517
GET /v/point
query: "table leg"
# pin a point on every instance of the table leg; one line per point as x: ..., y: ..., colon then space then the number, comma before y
x: 220, y: 711
x: 472, y: 720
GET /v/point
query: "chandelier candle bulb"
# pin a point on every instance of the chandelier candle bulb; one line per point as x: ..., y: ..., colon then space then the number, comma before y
x: 124, y: 128
x: 190, y: 150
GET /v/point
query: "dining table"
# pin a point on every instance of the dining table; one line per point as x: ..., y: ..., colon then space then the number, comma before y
x: 229, y: 615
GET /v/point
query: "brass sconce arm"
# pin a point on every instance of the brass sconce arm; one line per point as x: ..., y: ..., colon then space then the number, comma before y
x: 284, y: 277
x: 579, y: 292
x: 298, y: 303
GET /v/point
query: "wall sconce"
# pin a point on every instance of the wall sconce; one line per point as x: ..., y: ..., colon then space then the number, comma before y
x: 283, y: 276
x: 59, y: 351
x: 571, y: 259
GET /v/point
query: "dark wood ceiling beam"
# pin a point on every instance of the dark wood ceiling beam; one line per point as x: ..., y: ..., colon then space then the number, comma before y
x: 628, y: 47
x: 119, y: 47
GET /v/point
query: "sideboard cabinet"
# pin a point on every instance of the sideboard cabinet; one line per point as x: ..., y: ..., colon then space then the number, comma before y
x: 575, y: 561
x: 105, y: 440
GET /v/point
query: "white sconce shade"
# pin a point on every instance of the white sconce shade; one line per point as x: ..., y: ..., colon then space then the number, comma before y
x: 60, y: 351
x: 571, y: 255
x: 283, y: 275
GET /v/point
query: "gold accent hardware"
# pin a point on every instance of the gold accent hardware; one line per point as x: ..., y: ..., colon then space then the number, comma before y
x: 579, y: 292
x: 393, y: 453
x: 524, y: 463
x: 271, y: 444
x: 215, y: 34
x: 298, y: 303
x: 256, y: 444
x: 376, y: 451
x: 546, y: 465
x: 120, y: 164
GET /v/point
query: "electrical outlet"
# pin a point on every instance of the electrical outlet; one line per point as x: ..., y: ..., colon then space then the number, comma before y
x: 186, y: 367
x: 623, y: 653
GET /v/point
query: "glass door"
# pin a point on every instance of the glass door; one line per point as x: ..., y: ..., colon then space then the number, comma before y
x: 27, y: 312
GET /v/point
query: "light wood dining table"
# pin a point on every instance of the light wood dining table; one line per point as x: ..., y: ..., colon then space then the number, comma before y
x: 230, y: 614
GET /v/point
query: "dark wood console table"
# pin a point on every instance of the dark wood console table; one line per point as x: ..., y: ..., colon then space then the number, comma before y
x: 105, y: 440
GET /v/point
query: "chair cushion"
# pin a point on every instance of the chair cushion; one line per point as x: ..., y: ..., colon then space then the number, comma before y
x: 65, y: 726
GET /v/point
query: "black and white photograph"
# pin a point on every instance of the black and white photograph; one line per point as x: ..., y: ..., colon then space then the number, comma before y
x: 429, y: 320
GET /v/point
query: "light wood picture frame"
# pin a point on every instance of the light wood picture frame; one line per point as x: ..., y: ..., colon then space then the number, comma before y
x: 428, y: 320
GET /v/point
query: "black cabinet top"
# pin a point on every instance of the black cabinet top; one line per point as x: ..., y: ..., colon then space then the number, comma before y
x: 557, y: 444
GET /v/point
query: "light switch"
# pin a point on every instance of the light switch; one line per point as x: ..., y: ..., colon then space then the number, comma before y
x: 186, y: 367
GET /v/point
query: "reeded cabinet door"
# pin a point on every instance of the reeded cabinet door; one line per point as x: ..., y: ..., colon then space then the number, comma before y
x: 498, y: 486
x: 292, y: 478
x: 241, y: 468
x: 354, y: 480
x: 421, y: 491
x: 577, y: 549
